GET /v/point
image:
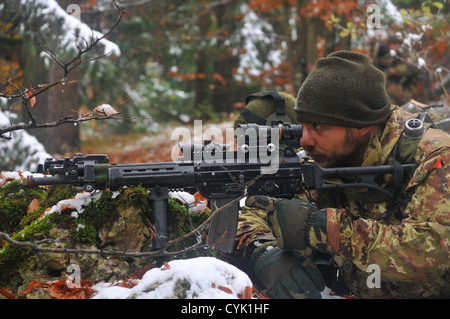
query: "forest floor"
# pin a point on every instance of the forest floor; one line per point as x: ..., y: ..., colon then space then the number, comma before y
x: 132, y: 147
x: 141, y: 147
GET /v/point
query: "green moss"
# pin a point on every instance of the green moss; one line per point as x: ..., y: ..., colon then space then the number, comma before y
x: 136, y: 196
x: 56, y: 193
x: 15, y: 198
x: 99, y: 211
x: 31, y: 217
x: 12, y: 257
x: 184, y: 220
x: 84, y: 233
x: 181, y: 222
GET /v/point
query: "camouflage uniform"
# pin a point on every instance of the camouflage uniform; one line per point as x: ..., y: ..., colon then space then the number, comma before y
x: 412, y: 253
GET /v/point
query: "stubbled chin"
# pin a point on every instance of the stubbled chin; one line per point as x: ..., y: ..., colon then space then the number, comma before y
x: 320, y: 160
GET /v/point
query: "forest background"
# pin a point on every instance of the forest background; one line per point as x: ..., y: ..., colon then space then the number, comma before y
x: 170, y: 62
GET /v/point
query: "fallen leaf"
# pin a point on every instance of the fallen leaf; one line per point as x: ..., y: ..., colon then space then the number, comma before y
x: 140, y: 273
x: 33, y: 205
x: 166, y: 266
x: 127, y: 283
x: 32, y: 285
x: 4, y: 180
x: 60, y: 290
x: 248, y: 293
x: 7, y: 293
x: 225, y: 289
x: 56, y: 290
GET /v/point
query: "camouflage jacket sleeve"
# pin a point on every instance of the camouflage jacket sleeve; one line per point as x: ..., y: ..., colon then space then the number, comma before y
x: 253, y: 231
x: 416, y: 249
x: 252, y: 228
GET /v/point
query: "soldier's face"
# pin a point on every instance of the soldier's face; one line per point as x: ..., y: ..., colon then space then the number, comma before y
x: 334, y: 146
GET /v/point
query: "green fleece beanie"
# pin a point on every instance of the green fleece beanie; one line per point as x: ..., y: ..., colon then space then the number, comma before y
x: 344, y: 89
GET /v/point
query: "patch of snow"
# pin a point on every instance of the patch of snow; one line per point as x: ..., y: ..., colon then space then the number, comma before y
x: 205, y: 276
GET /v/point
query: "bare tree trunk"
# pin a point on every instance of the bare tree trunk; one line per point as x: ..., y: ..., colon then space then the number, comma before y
x: 201, y: 96
x: 290, y: 47
x: 224, y: 61
x: 62, y: 101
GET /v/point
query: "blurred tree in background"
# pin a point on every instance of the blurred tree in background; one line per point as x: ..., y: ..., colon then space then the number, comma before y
x: 182, y: 60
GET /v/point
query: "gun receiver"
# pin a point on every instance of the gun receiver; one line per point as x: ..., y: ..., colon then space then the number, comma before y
x: 230, y: 176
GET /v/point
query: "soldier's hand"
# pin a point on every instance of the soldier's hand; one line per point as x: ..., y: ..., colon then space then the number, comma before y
x: 287, y: 274
x: 290, y: 220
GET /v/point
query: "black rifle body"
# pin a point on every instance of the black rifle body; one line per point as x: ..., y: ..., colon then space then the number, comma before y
x: 222, y: 181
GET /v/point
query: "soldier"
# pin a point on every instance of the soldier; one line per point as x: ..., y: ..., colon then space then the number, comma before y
x: 403, y: 80
x: 402, y: 243
x: 286, y: 273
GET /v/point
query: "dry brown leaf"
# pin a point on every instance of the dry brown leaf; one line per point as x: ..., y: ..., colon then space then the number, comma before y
x: 166, y: 266
x: 225, y: 289
x: 31, y: 100
x: 33, y: 205
x: 8, y: 294
x: 105, y: 110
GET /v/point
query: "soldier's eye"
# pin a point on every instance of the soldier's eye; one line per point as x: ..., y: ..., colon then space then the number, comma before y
x: 317, y: 126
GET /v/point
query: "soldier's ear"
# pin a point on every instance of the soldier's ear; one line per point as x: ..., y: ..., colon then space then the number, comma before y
x: 368, y: 131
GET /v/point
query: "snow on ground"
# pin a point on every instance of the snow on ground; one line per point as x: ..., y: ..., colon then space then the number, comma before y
x: 208, y: 277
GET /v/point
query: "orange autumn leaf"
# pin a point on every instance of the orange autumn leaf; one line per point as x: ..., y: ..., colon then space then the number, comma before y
x: 60, y: 290
x: 4, y: 180
x: 32, y: 285
x: 33, y: 205
x: 248, y: 293
x: 225, y: 289
x: 127, y: 283
x: 140, y: 273
x: 199, y: 197
x: 31, y: 100
x: 8, y: 294
x: 166, y: 266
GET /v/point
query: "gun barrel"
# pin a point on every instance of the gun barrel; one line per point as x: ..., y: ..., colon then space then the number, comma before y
x: 33, y: 181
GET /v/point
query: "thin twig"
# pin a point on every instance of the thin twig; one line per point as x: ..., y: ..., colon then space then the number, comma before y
x: 67, y: 68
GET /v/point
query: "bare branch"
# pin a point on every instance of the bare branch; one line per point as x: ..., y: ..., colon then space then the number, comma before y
x: 27, y: 94
x: 76, y: 61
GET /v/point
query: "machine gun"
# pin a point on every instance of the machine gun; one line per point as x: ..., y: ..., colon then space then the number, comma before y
x: 230, y: 176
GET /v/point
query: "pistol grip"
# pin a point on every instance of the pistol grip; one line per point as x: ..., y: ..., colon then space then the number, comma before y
x: 158, y: 197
